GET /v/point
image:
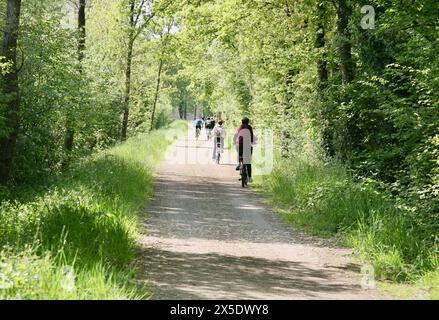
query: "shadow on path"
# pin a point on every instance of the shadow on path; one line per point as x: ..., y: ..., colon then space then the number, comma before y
x: 181, y: 275
x: 205, y: 237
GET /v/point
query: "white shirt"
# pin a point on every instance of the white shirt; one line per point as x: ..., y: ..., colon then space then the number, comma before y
x: 219, y: 131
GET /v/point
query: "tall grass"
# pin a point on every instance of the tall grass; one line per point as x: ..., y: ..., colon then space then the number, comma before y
x: 75, y: 238
x: 325, y: 200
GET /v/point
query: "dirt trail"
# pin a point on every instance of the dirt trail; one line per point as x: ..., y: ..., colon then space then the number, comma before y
x: 204, y: 237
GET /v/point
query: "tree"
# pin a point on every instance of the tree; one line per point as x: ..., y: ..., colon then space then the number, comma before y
x: 164, y: 38
x: 323, y: 76
x: 81, y: 32
x: 137, y: 12
x: 322, y: 64
x: 10, y: 88
x: 344, y: 11
x: 70, y: 132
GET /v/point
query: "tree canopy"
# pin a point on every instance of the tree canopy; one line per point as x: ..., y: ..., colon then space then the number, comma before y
x: 78, y: 76
x: 349, y: 89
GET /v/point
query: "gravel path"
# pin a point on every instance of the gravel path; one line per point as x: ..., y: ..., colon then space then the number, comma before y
x: 204, y: 237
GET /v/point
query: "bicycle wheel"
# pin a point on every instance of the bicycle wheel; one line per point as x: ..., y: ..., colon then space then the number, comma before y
x: 244, y: 175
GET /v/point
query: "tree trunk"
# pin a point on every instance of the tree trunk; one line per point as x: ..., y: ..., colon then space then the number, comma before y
x: 344, y: 11
x: 159, y: 74
x: 345, y: 49
x: 286, y: 135
x: 129, y: 61
x: 10, y: 87
x: 180, y: 110
x: 70, y: 132
x: 322, y: 65
x: 82, y: 34
x: 322, y: 75
x: 156, y: 95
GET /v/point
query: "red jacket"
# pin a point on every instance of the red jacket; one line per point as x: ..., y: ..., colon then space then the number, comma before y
x: 240, y: 136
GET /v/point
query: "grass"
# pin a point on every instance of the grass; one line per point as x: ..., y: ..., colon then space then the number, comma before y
x: 424, y: 288
x: 323, y: 199
x: 75, y: 237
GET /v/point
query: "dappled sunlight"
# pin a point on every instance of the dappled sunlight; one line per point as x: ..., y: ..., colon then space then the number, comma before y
x: 182, y: 274
x: 206, y: 237
x: 249, y: 207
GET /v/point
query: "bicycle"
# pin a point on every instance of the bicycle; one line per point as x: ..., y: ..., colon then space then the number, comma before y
x: 244, y: 174
x: 218, y: 149
x: 197, y: 133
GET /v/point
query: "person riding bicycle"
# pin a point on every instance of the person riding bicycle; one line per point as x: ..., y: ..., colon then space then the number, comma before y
x: 198, y: 125
x: 208, y: 123
x: 209, y: 127
x: 243, y: 140
x: 219, y: 132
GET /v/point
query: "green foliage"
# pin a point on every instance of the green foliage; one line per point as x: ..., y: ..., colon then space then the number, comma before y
x: 278, y: 62
x: 425, y: 288
x: 59, y: 92
x: 85, y: 219
x: 26, y: 276
x: 324, y: 199
x: 263, y: 60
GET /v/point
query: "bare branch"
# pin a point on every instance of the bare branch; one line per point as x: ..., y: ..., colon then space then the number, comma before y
x: 148, y: 20
x: 139, y: 12
x: 145, y: 23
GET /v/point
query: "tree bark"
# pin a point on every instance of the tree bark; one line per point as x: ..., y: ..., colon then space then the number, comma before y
x: 322, y: 84
x: 10, y: 88
x: 180, y: 110
x: 156, y: 95
x: 345, y: 49
x: 70, y: 131
x: 345, y: 138
x: 129, y: 61
x: 322, y: 64
x: 82, y: 33
x: 287, y: 113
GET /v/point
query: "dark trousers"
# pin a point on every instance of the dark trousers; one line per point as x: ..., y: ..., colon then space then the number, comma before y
x: 248, y: 166
x: 249, y: 169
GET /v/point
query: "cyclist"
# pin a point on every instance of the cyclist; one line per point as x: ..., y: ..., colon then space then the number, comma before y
x: 209, y: 127
x: 208, y: 122
x: 243, y: 141
x: 198, y: 126
x: 219, y: 133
